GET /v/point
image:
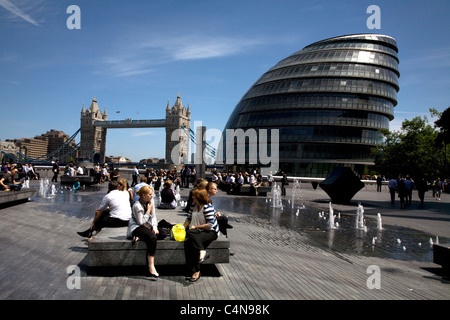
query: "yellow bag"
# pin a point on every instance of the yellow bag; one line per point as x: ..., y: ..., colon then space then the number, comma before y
x: 178, y: 232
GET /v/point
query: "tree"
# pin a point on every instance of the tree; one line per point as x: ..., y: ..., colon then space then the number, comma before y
x: 443, y: 138
x: 410, y: 151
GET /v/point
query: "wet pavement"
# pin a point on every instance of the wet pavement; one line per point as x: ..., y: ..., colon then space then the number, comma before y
x: 278, y: 253
x: 312, y: 223
x: 309, y: 219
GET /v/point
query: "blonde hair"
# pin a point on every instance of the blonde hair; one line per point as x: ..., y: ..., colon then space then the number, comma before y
x: 123, y: 182
x: 202, y: 184
x: 168, y: 184
x: 144, y: 190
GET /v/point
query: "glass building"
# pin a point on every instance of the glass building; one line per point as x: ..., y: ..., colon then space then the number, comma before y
x: 328, y: 102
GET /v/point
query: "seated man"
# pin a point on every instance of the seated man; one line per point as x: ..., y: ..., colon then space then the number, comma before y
x: 137, y: 187
x: 222, y: 219
x: 7, y: 182
x: 114, y: 211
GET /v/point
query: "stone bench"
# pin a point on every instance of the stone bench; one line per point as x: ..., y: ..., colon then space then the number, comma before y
x: 111, y: 248
x: 8, y: 197
x: 262, y: 191
x: 84, y: 180
x: 441, y: 256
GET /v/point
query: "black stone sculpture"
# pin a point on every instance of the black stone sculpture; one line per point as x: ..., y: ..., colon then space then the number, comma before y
x: 341, y: 185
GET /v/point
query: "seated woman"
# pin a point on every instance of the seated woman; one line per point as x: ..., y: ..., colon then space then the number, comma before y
x: 168, y: 200
x: 144, y: 226
x: 200, y: 183
x: 201, y: 229
x: 8, y: 182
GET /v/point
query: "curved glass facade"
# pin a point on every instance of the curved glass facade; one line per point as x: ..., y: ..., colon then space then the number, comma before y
x: 328, y: 101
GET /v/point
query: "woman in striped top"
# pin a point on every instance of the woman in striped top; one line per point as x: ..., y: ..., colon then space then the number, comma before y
x: 201, y: 229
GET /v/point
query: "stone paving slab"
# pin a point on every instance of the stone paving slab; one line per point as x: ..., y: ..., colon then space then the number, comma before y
x: 39, y: 246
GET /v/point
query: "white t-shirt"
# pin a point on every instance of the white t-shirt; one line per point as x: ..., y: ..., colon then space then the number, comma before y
x: 118, y: 203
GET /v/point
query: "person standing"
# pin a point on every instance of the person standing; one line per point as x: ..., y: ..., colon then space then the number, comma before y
x: 284, y: 183
x: 409, y: 183
x: 379, y: 183
x: 186, y: 176
x: 56, y: 171
x: 438, y: 188
x: 421, y: 189
x: 402, y: 191
x: 392, y: 185
x: 135, y: 176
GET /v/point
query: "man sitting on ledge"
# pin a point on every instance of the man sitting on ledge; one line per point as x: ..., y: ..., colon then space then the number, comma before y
x: 114, y: 211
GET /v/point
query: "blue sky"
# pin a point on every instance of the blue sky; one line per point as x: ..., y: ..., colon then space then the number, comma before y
x: 135, y: 56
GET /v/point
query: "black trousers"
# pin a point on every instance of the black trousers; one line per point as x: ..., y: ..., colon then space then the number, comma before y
x: 148, y: 236
x: 392, y: 192
x: 196, y: 240
x: 107, y: 221
x: 283, y: 189
x: 135, y: 180
x: 421, y: 196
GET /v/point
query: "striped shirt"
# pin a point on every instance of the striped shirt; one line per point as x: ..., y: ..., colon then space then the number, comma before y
x: 205, y: 215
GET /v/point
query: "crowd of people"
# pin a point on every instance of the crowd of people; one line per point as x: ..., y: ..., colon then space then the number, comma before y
x: 11, y: 171
x: 232, y: 182
x: 134, y: 206
x: 403, y: 187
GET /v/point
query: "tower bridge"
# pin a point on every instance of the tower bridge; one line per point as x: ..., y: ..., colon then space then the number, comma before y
x: 128, y: 123
x: 94, y: 125
x: 93, y: 130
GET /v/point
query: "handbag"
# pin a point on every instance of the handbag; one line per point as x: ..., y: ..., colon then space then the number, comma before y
x: 178, y: 232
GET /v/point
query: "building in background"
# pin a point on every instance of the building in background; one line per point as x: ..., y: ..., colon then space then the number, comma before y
x: 60, y: 145
x: 7, y: 148
x: 31, y: 148
x: 328, y: 101
x: 93, y: 138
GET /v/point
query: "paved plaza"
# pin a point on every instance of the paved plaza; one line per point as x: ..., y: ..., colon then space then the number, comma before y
x: 277, y: 254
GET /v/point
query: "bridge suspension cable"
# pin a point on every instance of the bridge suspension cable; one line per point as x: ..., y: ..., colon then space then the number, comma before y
x: 56, y: 153
x: 210, y: 150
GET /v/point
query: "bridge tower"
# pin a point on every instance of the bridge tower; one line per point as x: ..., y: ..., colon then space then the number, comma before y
x: 93, y: 138
x: 177, y: 116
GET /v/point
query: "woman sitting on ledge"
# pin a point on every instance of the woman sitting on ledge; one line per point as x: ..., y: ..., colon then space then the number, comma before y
x: 143, y: 226
x: 201, y: 229
x: 168, y: 200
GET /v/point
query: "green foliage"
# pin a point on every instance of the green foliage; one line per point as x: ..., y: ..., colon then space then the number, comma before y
x: 443, y: 123
x: 413, y: 150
